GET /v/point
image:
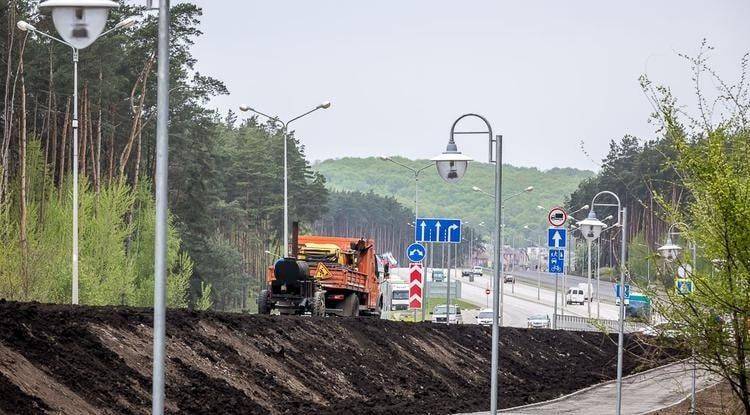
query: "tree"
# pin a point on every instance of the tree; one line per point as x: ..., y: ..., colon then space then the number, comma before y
x: 711, y: 151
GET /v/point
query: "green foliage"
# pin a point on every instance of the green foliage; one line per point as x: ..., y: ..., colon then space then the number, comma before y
x: 711, y: 161
x: 204, y: 301
x: 112, y: 271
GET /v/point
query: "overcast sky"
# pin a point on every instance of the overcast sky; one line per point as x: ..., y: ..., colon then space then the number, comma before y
x: 547, y: 74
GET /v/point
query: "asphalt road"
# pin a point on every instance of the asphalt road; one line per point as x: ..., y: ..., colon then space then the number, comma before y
x: 641, y: 393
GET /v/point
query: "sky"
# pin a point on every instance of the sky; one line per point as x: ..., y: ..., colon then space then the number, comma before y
x: 546, y: 74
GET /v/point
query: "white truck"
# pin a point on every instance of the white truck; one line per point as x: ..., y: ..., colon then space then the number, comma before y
x: 399, y: 295
x: 574, y: 296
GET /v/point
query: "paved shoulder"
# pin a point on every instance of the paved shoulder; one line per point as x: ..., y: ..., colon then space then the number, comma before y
x: 642, y: 393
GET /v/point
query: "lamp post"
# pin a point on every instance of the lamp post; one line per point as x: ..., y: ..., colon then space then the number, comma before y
x: 80, y: 23
x: 451, y: 166
x: 538, y: 261
x: 284, y: 130
x: 671, y: 252
x: 501, y: 247
x: 591, y: 228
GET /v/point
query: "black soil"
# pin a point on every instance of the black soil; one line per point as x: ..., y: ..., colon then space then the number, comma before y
x: 242, y: 364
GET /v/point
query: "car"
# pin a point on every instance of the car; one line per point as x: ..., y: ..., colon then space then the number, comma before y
x: 466, y: 273
x: 439, y: 314
x: 574, y: 296
x: 509, y: 279
x: 438, y: 275
x: 538, y: 321
x: 477, y: 270
x: 484, y: 318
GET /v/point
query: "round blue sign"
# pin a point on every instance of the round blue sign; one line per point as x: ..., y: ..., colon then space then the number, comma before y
x: 416, y: 252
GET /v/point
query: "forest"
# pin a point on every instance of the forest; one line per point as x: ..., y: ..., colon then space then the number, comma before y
x: 225, y: 188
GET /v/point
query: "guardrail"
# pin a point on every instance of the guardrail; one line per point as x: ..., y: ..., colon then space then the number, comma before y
x: 575, y: 323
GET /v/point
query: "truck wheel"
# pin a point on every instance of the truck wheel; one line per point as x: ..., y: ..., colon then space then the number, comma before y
x: 263, y: 305
x: 351, y: 305
x: 319, y: 304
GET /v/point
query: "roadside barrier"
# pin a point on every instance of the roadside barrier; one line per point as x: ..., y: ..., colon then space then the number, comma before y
x: 576, y: 323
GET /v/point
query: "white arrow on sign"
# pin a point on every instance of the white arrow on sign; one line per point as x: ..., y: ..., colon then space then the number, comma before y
x: 450, y: 229
x: 423, y: 225
x: 557, y: 238
x: 437, y: 227
x: 416, y: 251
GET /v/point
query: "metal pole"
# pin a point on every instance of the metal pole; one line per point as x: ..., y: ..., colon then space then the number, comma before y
x: 496, y: 304
x: 448, y: 289
x: 621, y: 317
x: 160, y: 239
x: 75, y: 176
x: 598, y: 275
x: 554, y: 318
x: 588, y: 286
x: 501, y: 279
x: 539, y: 268
x: 286, y: 196
x: 695, y: 364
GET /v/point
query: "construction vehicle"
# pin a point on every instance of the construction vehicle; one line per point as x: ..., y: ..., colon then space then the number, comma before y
x: 326, y: 275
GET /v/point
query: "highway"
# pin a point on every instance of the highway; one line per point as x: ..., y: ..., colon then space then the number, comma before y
x: 521, y: 299
x: 642, y: 393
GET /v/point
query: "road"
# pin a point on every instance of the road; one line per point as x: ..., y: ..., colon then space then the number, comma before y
x: 521, y: 299
x: 642, y: 393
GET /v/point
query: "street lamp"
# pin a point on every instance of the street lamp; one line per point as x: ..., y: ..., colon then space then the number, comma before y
x: 79, y: 23
x: 591, y: 228
x: 284, y: 128
x: 671, y: 252
x: 452, y: 165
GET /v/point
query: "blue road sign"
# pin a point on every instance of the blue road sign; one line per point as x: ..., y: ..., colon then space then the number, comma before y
x: 556, y: 237
x: 438, y: 230
x: 627, y: 291
x: 684, y: 286
x: 556, y: 261
x: 416, y: 252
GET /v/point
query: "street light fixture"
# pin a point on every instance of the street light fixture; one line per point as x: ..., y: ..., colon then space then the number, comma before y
x: 451, y: 166
x: 591, y: 228
x: 79, y: 23
x: 284, y: 128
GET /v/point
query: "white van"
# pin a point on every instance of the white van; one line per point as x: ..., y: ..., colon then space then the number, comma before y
x: 575, y: 295
x: 587, y: 289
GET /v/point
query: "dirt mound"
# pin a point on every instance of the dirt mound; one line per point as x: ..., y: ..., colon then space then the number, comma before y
x: 65, y: 359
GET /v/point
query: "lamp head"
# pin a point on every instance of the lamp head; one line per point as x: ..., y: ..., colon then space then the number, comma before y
x: 452, y: 164
x: 126, y: 23
x: 529, y: 189
x: 540, y: 207
x: 476, y: 189
x: 79, y: 22
x: 24, y: 26
x: 384, y: 158
x: 591, y: 227
x: 325, y: 105
x: 669, y: 251
x: 245, y: 108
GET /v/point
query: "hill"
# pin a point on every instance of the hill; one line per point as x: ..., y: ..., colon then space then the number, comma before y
x: 438, y: 198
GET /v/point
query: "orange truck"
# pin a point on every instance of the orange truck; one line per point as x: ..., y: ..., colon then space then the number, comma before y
x: 326, y: 275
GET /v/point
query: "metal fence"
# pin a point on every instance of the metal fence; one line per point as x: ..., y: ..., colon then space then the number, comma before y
x: 575, y: 323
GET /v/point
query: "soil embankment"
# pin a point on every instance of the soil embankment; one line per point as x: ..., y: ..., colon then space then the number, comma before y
x: 80, y: 360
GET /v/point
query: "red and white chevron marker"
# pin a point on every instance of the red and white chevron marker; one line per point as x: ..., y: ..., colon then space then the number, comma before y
x: 416, y: 274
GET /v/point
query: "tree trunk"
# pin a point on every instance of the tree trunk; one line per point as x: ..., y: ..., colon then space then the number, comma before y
x: 22, y: 197
x: 98, y: 167
x: 63, y: 145
x: 8, y: 105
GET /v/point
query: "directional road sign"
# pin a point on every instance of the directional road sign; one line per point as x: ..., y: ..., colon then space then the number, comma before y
x: 438, y: 230
x: 416, y: 252
x: 556, y: 261
x: 556, y: 238
x: 683, y: 286
x: 627, y: 291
